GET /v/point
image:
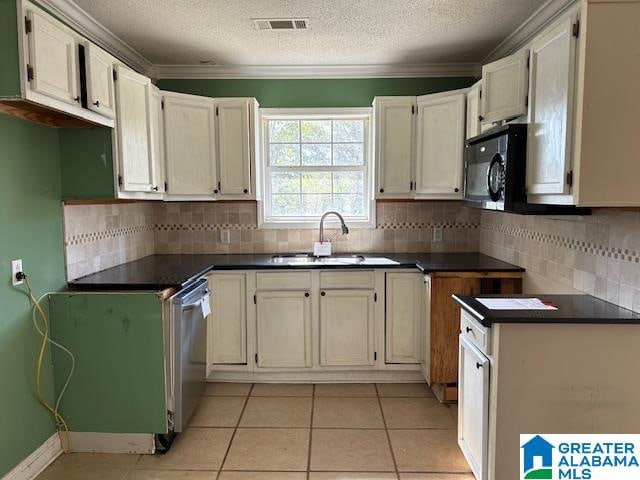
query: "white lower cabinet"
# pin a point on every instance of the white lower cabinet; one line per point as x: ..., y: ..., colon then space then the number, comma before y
x: 346, y: 328
x: 405, y: 309
x: 473, y: 406
x: 283, y: 329
x: 228, y: 320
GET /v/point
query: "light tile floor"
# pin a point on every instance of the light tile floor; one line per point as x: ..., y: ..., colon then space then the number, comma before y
x: 297, y: 432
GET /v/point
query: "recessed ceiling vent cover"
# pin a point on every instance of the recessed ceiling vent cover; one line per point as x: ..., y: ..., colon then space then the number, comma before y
x: 281, y: 23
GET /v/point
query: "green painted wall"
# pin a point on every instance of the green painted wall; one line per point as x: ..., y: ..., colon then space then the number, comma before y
x: 9, y: 73
x: 31, y: 229
x: 118, y: 384
x: 352, y: 92
x: 87, y: 163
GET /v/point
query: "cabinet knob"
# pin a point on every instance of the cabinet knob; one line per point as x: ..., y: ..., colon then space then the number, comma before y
x: 469, y: 329
x: 323, y: 293
x: 77, y: 99
x: 382, y: 190
x: 480, y: 118
x: 215, y: 191
x: 478, y: 365
x: 456, y: 190
x: 155, y: 187
x: 97, y: 103
x: 246, y: 190
x: 306, y: 294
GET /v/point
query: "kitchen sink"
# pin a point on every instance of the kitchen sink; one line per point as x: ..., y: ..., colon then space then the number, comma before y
x: 308, y: 259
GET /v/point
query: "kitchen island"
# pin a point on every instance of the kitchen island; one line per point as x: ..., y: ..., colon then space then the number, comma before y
x: 563, y: 369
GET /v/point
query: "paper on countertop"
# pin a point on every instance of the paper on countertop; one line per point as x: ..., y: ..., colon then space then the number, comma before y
x: 322, y: 249
x: 206, y: 305
x: 515, y: 304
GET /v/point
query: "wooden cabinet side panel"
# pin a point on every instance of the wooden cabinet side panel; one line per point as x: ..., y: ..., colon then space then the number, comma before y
x: 445, y: 325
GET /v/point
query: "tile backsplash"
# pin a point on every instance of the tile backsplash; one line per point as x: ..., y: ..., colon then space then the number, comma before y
x: 101, y: 236
x: 597, y: 254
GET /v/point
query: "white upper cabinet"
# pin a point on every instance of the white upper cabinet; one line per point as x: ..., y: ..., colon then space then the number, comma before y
x: 440, y: 144
x: 504, y: 87
x: 233, y: 127
x: 190, y: 145
x: 552, y: 66
x: 346, y: 328
x: 133, y: 132
x: 474, y: 109
x: 394, y: 127
x: 53, y: 62
x: 99, y: 80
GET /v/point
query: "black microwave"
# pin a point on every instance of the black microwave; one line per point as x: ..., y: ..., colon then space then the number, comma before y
x: 494, y: 168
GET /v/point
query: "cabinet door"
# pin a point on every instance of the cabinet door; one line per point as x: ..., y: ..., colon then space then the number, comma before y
x: 346, y: 328
x: 134, y: 152
x: 473, y: 407
x: 189, y: 144
x: 234, y: 146
x: 156, y: 126
x: 440, y: 144
x: 53, y: 58
x: 394, y: 145
x: 404, y: 314
x: 474, y: 110
x: 228, y: 321
x: 99, y: 75
x: 504, y: 87
x: 284, y: 329
x: 550, y: 110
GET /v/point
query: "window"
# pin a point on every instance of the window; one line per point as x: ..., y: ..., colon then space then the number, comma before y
x: 314, y: 161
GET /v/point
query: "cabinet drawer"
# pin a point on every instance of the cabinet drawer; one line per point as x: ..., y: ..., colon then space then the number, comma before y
x: 475, y: 332
x: 346, y: 279
x: 283, y: 281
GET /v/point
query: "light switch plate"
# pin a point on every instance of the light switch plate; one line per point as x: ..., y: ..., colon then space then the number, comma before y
x: 16, y: 266
x: 437, y: 234
x: 225, y: 236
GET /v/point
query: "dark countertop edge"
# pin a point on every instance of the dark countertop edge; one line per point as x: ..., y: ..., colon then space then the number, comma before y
x: 489, y: 321
x: 426, y: 268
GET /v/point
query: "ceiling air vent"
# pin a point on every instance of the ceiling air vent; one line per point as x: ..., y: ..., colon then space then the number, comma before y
x: 281, y: 23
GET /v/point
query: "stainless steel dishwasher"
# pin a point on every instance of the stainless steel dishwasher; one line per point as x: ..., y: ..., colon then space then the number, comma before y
x: 187, y: 347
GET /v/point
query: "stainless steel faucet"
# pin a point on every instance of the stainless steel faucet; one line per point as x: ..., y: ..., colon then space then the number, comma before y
x: 345, y: 229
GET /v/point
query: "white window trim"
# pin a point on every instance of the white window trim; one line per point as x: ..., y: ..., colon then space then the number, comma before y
x: 316, y: 113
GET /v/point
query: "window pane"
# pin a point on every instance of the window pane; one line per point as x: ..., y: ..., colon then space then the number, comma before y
x: 316, y: 204
x: 283, y: 154
x: 285, y: 182
x: 349, y: 204
x: 348, y: 182
x: 348, y: 131
x: 284, y: 131
x: 316, y: 182
x: 314, y: 154
x: 316, y: 130
x: 285, y: 205
x: 348, y: 154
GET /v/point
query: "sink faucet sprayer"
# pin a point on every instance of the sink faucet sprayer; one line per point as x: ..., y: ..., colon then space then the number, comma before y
x: 345, y: 229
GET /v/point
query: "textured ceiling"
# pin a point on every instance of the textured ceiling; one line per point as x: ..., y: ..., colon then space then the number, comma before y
x: 343, y: 32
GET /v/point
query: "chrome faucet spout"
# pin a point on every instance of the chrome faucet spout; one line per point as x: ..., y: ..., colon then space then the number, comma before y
x: 345, y: 229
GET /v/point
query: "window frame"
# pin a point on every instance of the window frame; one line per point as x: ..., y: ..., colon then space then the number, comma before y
x: 265, y: 219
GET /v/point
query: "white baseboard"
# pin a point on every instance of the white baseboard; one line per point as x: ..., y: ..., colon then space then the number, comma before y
x: 39, y: 459
x: 97, y: 442
x: 370, y: 376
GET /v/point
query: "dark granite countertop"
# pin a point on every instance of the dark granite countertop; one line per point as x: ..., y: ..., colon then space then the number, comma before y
x: 157, y: 272
x: 570, y: 309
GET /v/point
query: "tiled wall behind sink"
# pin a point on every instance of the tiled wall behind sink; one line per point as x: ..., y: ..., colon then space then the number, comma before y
x: 597, y: 254
x: 101, y: 236
x: 97, y: 237
x: 401, y: 227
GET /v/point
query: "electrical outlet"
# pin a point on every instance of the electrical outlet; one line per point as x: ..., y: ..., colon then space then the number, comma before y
x: 437, y: 234
x: 16, y: 266
x: 225, y: 236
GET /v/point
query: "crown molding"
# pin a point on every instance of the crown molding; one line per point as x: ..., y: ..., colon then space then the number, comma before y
x: 318, y: 71
x: 69, y: 12
x: 544, y: 15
